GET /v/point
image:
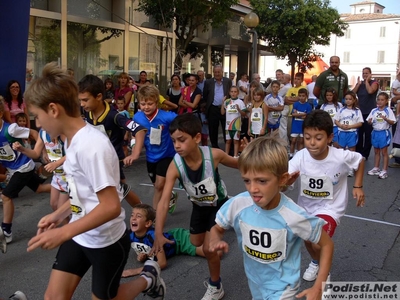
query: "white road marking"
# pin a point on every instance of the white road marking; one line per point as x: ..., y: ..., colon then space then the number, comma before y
x: 372, y: 220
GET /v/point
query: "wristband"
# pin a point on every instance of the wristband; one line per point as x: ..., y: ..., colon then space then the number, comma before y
x: 357, y: 187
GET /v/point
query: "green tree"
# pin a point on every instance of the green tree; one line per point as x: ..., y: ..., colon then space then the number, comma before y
x: 293, y: 27
x: 190, y: 15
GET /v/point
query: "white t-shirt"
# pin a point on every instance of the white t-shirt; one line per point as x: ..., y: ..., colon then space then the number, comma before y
x: 233, y: 117
x: 396, y: 85
x: 271, y: 101
x: 331, y: 109
x: 310, y: 88
x: 244, y: 84
x: 348, y: 116
x: 323, y: 183
x: 92, y: 165
x: 378, y: 123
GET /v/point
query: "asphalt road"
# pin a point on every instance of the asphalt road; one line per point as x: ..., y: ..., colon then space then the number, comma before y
x: 367, y: 246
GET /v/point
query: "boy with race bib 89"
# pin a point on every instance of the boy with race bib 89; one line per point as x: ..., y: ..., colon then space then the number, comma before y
x: 323, y: 185
x: 269, y: 226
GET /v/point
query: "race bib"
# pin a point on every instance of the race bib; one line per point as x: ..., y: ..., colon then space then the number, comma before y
x: 232, y: 109
x: 203, y: 193
x: 76, y: 206
x: 155, y: 136
x: 315, y: 187
x: 263, y: 245
x: 275, y: 114
x: 6, y: 153
x: 140, y: 248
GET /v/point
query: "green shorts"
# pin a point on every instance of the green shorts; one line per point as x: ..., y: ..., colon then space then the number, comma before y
x: 182, y: 241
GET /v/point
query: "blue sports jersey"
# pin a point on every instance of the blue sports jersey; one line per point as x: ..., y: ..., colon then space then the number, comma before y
x: 145, y: 243
x: 297, y: 123
x: 10, y: 158
x: 161, y: 121
x: 270, y: 239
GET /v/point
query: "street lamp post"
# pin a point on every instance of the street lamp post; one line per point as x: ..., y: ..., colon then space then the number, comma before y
x: 251, y: 20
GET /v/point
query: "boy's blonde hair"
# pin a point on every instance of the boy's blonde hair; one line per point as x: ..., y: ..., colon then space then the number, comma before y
x: 149, y: 92
x: 54, y: 86
x: 264, y: 154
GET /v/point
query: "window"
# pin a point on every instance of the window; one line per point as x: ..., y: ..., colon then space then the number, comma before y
x: 382, y: 31
x: 348, y: 34
x: 381, y: 57
x: 346, y: 57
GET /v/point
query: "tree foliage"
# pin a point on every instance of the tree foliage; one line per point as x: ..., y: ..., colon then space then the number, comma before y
x: 293, y: 27
x: 190, y: 15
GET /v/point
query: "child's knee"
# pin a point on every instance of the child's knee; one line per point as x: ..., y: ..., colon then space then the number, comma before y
x: 5, y: 198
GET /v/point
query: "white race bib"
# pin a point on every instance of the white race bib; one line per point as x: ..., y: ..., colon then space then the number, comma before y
x: 76, y: 206
x: 232, y: 109
x: 140, y: 248
x: 264, y: 245
x: 203, y: 193
x: 6, y: 153
x: 316, y: 187
x: 155, y: 136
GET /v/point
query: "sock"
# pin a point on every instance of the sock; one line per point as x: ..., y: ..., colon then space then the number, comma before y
x: 6, y: 227
x: 149, y: 281
x: 315, y: 262
x: 215, y: 283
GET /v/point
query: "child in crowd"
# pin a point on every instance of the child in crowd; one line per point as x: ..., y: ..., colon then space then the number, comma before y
x: 275, y: 106
x: 204, y: 123
x: 105, y: 118
x: 142, y: 239
x: 196, y: 168
x: 381, y: 118
x: 248, y: 102
x: 292, y: 97
x: 258, y: 115
x: 299, y: 112
x: 332, y: 106
x: 109, y: 90
x: 348, y: 119
x: 22, y: 120
x: 21, y: 169
x: 159, y: 148
x: 234, y: 110
x: 127, y: 135
x: 323, y: 185
x: 55, y: 152
x: 269, y: 226
x: 96, y: 235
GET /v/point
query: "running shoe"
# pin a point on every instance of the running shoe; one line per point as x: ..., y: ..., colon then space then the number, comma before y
x: 213, y: 293
x: 152, y: 270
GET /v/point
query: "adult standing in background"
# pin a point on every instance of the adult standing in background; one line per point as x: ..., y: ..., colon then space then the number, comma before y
x: 142, y: 79
x: 334, y: 78
x: 200, y: 83
x: 312, y: 99
x: 174, y: 92
x: 216, y: 90
x: 243, y: 86
x: 232, y: 76
x: 283, y: 126
x: 14, y: 103
x: 279, y: 77
x: 366, y: 91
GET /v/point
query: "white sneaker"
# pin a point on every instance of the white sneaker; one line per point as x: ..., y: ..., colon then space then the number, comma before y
x: 374, y: 172
x: 18, y: 295
x: 8, y: 236
x: 152, y: 270
x: 311, y: 273
x: 3, y: 242
x: 383, y: 175
x: 213, y: 293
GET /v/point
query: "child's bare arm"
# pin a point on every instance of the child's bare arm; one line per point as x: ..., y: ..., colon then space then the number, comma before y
x: 216, y: 243
x: 223, y: 158
x: 358, y: 192
x: 139, y: 142
x: 162, y: 210
x: 31, y: 153
x: 326, y: 244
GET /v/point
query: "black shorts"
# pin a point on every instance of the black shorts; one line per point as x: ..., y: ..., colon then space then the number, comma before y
x: 158, y: 168
x: 108, y: 264
x: 203, y: 217
x: 19, y: 180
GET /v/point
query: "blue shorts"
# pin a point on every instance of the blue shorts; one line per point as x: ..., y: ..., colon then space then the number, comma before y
x: 335, y: 134
x: 260, y: 292
x: 273, y: 126
x: 381, y: 139
x: 347, y: 138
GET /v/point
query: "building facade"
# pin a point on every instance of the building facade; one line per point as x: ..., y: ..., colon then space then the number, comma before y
x: 106, y: 37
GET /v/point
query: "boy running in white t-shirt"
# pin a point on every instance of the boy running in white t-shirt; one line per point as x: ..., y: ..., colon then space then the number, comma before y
x: 96, y: 236
x: 323, y: 178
